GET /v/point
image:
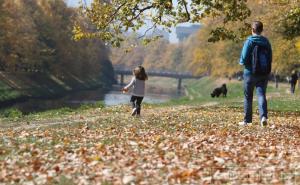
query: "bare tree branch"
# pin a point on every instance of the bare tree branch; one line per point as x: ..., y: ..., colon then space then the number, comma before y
x: 153, y: 26
x: 115, y: 13
x: 140, y: 12
x: 186, y: 10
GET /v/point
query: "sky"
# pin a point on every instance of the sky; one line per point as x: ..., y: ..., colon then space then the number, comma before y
x: 75, y: 2
x: 173, y: 37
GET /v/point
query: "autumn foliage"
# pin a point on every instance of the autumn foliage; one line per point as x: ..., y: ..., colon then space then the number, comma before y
x: 221, y: 58
x: 170, y: 145
x: 36, y: 36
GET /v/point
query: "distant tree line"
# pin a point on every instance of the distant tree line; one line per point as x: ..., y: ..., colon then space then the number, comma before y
x: 157, y: 55
x: 36, y: 36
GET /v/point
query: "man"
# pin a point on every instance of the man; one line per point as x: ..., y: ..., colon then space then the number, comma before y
x: 294, y: 79
x: 256, y: 57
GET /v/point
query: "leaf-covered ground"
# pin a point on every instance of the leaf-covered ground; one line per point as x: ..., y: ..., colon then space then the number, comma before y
x: 167, y: 145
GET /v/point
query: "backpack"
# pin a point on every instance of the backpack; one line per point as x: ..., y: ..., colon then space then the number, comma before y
x: 261, y: 63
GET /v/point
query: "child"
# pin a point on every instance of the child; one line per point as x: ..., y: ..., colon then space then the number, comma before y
x: 138, y: 93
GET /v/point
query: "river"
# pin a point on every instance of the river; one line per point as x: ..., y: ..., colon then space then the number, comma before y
x: 116, y: 98
x: 76, y: 99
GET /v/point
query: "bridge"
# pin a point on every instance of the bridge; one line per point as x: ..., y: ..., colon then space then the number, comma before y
x: 168, y: 74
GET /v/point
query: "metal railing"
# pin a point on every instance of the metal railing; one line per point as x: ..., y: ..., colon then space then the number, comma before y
x: 160, y: 73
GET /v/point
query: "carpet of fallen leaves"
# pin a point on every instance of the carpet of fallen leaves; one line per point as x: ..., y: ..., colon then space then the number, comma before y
x: 180, y: 145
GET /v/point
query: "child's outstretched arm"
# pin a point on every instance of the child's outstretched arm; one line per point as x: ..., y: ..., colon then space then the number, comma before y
x: 129, y: 85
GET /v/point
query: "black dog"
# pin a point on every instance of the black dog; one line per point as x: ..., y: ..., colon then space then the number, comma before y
x: 220, y: 90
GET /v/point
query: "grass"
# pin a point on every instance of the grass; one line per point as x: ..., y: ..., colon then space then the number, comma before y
x: 14, y: 117
x: 185, y: 144
x: 285, y: 104
x: 198, y: 93
x: 7, y: 93
x: 169, y: 144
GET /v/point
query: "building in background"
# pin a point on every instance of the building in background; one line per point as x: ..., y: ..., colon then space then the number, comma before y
x: 184, y: 32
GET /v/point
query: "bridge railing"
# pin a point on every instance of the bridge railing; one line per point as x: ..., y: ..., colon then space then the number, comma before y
x: 178, y: 75
x: 160, y: 73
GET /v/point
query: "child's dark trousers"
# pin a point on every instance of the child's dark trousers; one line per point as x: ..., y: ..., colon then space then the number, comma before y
x: 136, y: 102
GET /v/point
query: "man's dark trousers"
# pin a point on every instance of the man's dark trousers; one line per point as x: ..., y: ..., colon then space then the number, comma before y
x: 250, y: 82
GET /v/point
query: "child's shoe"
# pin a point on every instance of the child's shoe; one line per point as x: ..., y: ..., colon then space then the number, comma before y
x: 244, y: 123
x: 133, y: 113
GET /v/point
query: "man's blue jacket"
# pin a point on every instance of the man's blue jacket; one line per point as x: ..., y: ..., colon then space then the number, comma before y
x: 249, y: 44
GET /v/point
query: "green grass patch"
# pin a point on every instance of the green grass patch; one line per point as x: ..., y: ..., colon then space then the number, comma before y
x: 11, y: 113
x: 66, y: 110
x: 198, y: 93
x: 285, y: 104
x: 15, y: 115
x: 7, y: 93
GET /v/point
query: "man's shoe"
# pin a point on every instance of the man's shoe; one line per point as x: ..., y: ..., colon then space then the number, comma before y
x: 263, y: 122
x: 133, y: 113
x: 244, y: 123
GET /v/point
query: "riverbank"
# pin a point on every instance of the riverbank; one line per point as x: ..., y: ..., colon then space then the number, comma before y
x: 23, y: 86
x: 198, y: 95
x: 90, y: 93
x: 81, y: 98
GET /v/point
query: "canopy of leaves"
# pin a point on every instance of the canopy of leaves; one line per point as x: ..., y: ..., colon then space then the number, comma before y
x: 111, y: 18
x: 291, y: 23
x: 220, y: 58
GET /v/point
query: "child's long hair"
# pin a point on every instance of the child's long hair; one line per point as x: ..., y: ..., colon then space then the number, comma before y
x: 140, y: 73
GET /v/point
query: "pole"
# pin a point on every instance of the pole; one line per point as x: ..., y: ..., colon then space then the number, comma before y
x: 179, y: 86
